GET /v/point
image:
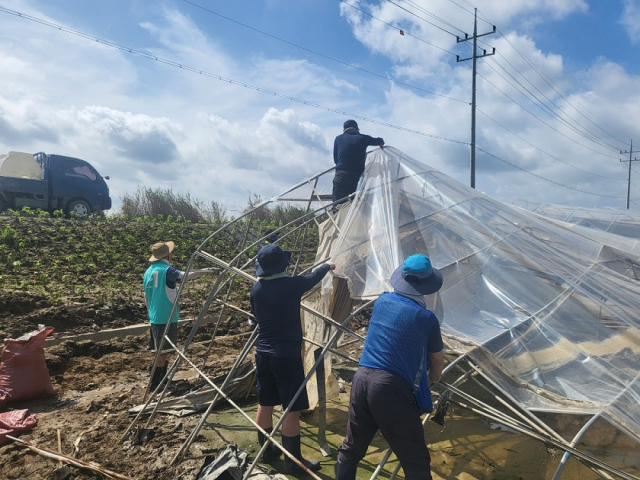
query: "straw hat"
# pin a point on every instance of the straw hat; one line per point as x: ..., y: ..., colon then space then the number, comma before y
x: 160, y: 250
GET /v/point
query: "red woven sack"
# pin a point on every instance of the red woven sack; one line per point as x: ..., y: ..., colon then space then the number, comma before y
x: 23, y: 370
x: 14, y: 422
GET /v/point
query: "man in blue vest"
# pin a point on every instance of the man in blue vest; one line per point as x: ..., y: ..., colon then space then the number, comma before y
x: 403, y: 339
x: 159, y: 294
x: 349, y: 155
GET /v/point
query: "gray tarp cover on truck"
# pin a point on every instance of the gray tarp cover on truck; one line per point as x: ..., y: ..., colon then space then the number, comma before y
x: 550, y: 313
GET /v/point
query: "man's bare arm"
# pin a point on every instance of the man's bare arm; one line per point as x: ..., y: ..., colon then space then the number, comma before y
x: 196, y: 273
x: 436, y: 365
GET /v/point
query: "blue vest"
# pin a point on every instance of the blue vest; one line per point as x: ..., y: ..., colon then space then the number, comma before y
x: 160, y: 298
x: 398, y: 336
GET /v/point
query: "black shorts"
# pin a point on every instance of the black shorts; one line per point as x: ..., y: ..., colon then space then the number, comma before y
x: 156, y: 331
x: 278, y: 381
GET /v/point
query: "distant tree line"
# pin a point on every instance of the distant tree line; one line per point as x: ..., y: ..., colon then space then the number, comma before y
x: 160, y: 202
x: 154, y: 202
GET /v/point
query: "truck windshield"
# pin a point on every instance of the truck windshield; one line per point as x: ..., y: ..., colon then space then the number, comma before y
x: 77, y: 168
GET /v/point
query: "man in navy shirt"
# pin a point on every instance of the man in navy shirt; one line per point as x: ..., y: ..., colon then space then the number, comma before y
x: 403, y: 339
x: 349, y: 155
x: 275, y: 304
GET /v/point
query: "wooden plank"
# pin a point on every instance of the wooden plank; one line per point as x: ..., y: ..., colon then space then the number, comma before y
x: 103, y: 335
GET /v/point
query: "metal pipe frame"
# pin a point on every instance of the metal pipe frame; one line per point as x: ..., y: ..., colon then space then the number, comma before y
x: 319, y: 359
x: 224, y: 227
x: 221, y: 393
x: 243, y: 354
x: 577, y: 453
x: 586, y: 427
x: 236, y: 272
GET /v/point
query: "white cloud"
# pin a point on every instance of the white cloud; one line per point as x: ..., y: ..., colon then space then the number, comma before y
x: 531, y: 11
x: 147, y: 123
x: 630, y: 19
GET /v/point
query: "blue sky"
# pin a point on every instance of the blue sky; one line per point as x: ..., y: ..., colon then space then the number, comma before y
x: 556, y: 104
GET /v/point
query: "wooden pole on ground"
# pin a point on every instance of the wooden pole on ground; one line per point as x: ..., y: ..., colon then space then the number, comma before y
x: 93, y: 466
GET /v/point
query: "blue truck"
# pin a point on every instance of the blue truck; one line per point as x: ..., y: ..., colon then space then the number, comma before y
x: 51, y: 182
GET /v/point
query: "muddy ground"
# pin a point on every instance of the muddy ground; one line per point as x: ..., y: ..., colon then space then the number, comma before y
x: 97, y: 382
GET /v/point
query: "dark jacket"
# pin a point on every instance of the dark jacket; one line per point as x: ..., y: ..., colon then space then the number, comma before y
x: 276, y: 306
x: 350, y: 150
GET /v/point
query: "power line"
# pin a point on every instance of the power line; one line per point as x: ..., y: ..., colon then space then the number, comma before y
x: 385, y: 77
x: 396, y: 27
x: 547, y: 153
x: 462, y: 8
x: 545, y: 179
x: 636, y: 187
x: 534, y: 115
x: 557, y: 91
x: 432, y: 15
x: 181, y: 66
x: 509, y: 163
x: 421, y: 18
x: 549, y: 111
x: 586, y: 134
x: 540, y: 120
x: 548, y: 82
x: 262, y: 90
x: 473, y: 111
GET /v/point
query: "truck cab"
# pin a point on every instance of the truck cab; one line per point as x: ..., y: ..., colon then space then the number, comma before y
x: 51, y: 182
x: 74, y: 185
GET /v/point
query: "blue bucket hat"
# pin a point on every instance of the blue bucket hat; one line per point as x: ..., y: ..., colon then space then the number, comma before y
x: 272, y: 259
x: 416, y: 276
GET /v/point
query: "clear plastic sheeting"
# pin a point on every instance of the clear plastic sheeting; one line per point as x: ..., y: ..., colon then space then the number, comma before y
x: 620, y: 222
x: 548, y: 313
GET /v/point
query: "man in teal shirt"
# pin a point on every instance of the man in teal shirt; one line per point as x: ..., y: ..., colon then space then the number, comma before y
x: 160, y: 294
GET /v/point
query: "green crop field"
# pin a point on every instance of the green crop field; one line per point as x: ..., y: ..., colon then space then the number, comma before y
x: 72, y: 273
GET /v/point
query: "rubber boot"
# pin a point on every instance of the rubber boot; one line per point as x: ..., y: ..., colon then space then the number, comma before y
x: 158, y: 375
x: 346, y: 470
x: 292, y: 445
x: 163, y: 378
x: 270, y: 453
x: 163, y: 373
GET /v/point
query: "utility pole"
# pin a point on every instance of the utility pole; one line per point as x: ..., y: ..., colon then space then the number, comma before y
x: 473, y: 58
x: 630, y: 152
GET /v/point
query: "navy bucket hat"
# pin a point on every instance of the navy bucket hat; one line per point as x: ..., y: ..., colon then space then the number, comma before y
x: 416, y: 276
x: 272, y: 259
x: 350, y: 124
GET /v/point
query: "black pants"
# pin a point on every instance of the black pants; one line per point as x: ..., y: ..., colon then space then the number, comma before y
x: 344, y: 184
x: 384, y: 401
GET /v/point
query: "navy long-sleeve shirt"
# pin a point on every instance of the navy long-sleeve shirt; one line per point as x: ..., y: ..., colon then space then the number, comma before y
x: 276, y: 306
x: 350, y: 150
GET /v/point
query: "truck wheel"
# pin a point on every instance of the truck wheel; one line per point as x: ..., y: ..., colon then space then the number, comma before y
x: 79, y: 207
